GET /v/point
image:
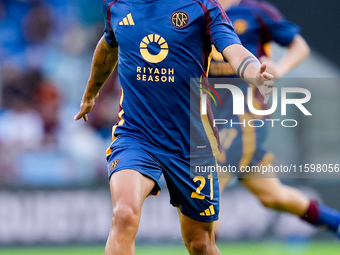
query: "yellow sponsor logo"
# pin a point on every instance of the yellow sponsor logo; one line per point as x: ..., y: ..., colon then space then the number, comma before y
x: 155, y: 74
x: 163, y: 48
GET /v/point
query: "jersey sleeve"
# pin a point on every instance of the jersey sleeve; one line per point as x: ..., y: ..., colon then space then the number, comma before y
x: 222, y: 33
x: 108, y: 32
x: 280, y: 30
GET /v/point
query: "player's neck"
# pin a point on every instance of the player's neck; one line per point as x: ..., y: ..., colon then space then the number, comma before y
x: 227, y: 4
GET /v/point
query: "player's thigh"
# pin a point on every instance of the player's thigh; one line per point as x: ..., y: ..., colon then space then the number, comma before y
x: 264, y: 187
x: 130, y: 187
x: 197, y: 195
x: 194, y: 230
x: 133, y: 172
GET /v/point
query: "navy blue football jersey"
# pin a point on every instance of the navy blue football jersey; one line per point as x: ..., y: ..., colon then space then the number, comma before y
x: 162, y: 45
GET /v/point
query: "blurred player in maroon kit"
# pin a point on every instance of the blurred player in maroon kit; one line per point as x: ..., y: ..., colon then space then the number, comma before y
x: 258, y: 23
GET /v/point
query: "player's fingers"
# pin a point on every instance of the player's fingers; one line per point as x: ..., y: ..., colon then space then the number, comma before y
x: 268, y: 76
x: 268, y: 91
x: 79, y: 115
x: 269, y: 83
x: 266, y: 94
x: 263, y: 59
x: 266, y: 99
x: 263, y: 67
x: 85, y: 118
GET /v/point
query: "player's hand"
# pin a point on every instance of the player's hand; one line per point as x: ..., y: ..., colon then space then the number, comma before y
x: 272, y: 67
x: 266, y: 83
x: 85, y: 107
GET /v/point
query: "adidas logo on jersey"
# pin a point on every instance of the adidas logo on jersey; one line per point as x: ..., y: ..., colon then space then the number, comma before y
x: 127, y: 21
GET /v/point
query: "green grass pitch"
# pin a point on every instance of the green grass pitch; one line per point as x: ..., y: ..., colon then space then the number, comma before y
x: 265, y: 248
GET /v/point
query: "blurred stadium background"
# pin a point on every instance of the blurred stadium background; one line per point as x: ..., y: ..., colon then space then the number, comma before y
x: 54, y: 195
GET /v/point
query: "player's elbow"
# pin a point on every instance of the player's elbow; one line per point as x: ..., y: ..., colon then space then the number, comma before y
x: 305, y: 50
x: 301, y: 46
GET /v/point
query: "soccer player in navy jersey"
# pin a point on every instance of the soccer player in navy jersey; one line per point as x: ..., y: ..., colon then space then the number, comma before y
x: 161, y: 45
x: 258, y: 23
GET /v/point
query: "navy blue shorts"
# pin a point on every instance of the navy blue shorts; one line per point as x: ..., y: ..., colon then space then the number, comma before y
x: 197, y: 196
x: 243, y: 146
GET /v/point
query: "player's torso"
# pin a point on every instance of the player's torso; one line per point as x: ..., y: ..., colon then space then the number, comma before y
x: 160, y: 49
x: 152, y: 34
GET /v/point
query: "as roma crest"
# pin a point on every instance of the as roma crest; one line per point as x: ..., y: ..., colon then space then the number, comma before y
x: 179, y: 19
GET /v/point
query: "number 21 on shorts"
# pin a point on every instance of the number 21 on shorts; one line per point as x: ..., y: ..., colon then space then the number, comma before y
x: 197, y: 193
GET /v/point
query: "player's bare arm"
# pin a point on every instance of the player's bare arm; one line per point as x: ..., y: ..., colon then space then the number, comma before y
x: 298, y: 50
x: 248, y: 67
x: 103, y: 63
